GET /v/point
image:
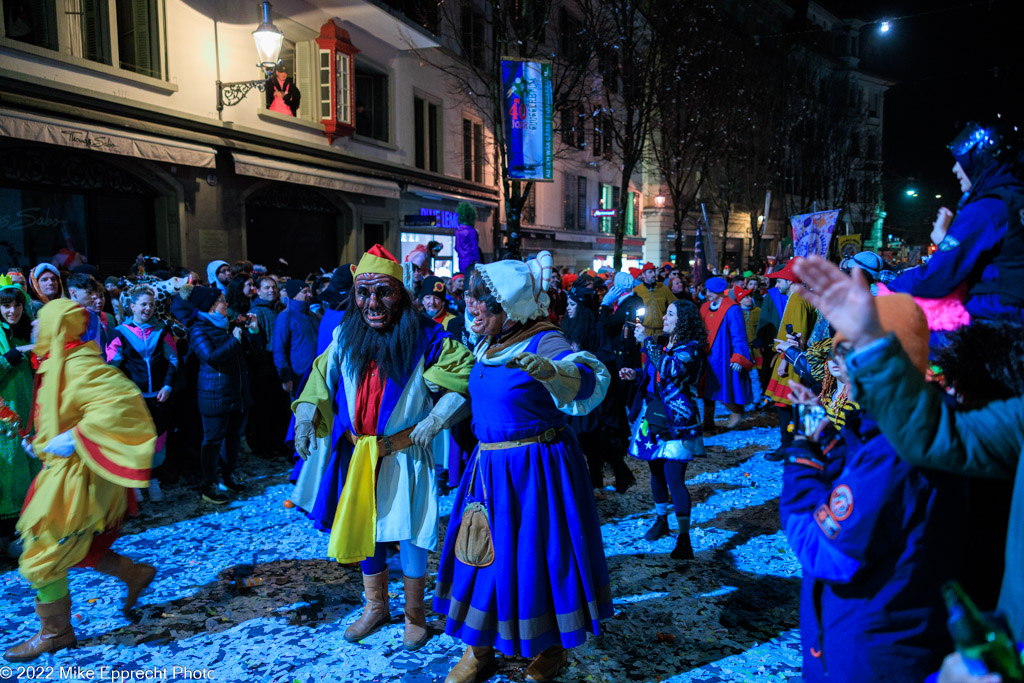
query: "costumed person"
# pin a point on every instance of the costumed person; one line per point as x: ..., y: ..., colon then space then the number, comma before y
x: 422, y: 257
x: 535, y: 580
x: 431, y: 294
x: 656, y: 297
x: 455, y: 288
x: 598, y: 431
x: 147, y: 354
x: 45, y: 285
x: 667, y: 427
x: 751, y: 316
x: 773, y: 305
x: 980, y: 260
x: 798, y: 320
x: 876, y: 537
x: 728, y: 373
x: 16, y: 467
x: 95, y: 440
x: 370, y: 393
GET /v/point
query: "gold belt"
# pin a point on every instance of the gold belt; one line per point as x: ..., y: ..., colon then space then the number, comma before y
x: 546, y: 436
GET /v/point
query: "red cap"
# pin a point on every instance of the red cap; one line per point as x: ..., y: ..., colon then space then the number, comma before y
x: 648, y: 266
x: 380, y: 251
x: 568, y: 279
x: 634, y: 273
x: 785, y: 273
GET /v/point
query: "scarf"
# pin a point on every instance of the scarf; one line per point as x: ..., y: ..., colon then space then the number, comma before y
x: 215, y: 319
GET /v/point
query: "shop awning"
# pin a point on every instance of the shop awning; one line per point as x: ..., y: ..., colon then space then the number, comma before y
x: 429, y: 193
x: 55, y: 131
x: 300, y: 174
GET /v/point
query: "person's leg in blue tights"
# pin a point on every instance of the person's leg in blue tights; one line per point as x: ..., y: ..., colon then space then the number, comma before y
x: 675, y: 476
x: 659, y: 490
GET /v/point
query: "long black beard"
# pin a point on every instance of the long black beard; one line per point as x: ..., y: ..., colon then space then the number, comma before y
x: 392, y: 349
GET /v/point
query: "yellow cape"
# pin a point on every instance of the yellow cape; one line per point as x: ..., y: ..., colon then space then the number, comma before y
x: 77, y: 497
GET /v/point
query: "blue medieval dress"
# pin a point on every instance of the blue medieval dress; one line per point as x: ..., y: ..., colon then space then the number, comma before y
x: 549, y: 583
x: 727, y: 344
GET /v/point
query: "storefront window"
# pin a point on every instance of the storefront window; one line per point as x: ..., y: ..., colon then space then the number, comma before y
x: 445, y: 264
x: 39, y: 226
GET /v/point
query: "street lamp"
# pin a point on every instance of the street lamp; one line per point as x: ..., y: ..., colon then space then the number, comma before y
x: 884, y: 27
x: 659, y: 201
x: 268, y: 39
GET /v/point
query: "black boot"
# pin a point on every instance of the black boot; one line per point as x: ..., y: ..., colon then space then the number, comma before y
x: 683, y: 549
x: 658, y: 529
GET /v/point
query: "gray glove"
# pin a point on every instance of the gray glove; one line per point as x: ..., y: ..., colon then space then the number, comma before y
x: 448, y: 407
x: 305, y: 432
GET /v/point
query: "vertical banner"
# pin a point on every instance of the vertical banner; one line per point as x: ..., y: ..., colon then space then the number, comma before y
x: 528, y: 109
x: 812, y: 232
x: 700, y: 261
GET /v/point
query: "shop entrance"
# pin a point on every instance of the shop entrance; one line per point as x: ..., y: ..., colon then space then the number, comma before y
x: 292, y: 223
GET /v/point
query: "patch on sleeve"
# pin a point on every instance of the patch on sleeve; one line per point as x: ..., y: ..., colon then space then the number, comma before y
x: 949, y: 243
x: 841, y: 502
x: 829, y: 526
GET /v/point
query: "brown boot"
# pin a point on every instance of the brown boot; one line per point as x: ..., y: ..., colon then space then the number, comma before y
x: 416, y: 633
x: 376, y: 613
x: 683, y: 549
x: 135, y: 575
x: 546, y: 665
x: 476, y: 664
x: 55, y: 632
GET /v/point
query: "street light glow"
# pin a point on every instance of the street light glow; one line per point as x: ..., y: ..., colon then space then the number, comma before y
x: 938, y: 196
x: 911, y: 193
x: 884, y: 28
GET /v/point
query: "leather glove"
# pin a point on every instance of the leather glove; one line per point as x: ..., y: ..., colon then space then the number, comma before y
x: 62, y: 445
x: 305, y: 432
x: 535, y: 366
x: 425, y: 430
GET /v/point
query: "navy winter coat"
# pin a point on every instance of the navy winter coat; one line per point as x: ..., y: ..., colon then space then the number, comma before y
x: 876, y: 538
x: 223, y: 378
x: 295, y: 334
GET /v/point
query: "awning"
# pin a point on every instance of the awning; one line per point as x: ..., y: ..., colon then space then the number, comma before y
x: 428, y: 193
x: 55, y: 131
x: 274, y: 169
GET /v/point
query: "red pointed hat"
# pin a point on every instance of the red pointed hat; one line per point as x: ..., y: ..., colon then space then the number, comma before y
x: 741, y: 293
x: 785, y: 273
x: 379, y: 260
x: 634, y: 273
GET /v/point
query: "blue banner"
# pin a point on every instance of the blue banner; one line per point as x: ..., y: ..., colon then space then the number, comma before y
x: 527, y: 100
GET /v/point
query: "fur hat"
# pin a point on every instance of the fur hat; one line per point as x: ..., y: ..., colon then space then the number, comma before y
x: 900, y: 315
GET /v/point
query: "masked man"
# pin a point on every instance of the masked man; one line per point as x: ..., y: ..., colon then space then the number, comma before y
x: 96, y: 441
x: 370, y: 392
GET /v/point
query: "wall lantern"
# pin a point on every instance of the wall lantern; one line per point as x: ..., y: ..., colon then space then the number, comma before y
x: 659, y: 201
x: 337, y: 81
x: 268, y: 39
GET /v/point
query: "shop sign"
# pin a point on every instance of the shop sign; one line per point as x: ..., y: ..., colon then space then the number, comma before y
x: 443, y: 219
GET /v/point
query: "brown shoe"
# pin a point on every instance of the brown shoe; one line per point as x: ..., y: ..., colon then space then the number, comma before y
x: 55, y: 632
x: 546, y: 665
x: 477, y: 664
x: 376, y: 613
x: 135, y: 575
x: 416, y: 633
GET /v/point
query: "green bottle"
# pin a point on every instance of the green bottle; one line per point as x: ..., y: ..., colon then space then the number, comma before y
x: 984, y: 644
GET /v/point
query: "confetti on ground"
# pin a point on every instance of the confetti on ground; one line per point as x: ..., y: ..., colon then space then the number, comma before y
x: 728, y: 615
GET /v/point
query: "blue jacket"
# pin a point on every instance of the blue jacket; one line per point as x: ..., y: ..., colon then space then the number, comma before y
x: 966, y: 255
x: 295, y: 335
x: 223, y: 378
x: 876, y: 538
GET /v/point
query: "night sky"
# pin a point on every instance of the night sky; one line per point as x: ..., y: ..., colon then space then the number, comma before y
x: 953, y: 61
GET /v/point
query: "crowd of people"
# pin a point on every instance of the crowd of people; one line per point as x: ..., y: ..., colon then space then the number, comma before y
x: 522, y: 387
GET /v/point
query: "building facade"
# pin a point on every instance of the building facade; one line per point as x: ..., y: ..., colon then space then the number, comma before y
x: 114, y: 145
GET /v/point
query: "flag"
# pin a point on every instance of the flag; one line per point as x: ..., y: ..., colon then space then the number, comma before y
x: 700, y: 261
x: 812, y: 232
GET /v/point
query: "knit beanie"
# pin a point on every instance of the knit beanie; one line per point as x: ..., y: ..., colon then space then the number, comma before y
x: 203, y: 298
x: 293, y: 287
x: 341, y: 279
x: 900, y: 315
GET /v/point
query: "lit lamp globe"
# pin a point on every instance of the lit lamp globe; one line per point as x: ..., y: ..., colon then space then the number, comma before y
x: 268, y: 39
x: 659, y: 201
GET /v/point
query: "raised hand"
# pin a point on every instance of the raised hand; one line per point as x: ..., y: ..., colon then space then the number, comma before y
x: 846, y: 301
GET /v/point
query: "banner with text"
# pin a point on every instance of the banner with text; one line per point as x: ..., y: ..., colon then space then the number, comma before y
x: 527, y: 101
x: 812, y: 232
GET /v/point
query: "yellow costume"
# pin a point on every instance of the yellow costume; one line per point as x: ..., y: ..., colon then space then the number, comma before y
x: 656, y: 302
x: 801, y: 315
x: 77, y: 503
